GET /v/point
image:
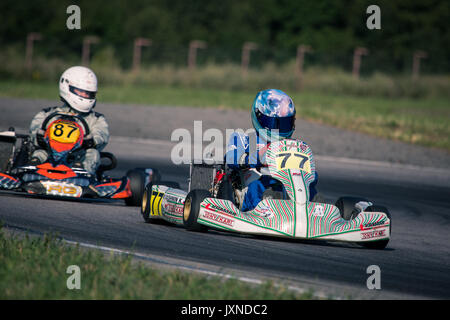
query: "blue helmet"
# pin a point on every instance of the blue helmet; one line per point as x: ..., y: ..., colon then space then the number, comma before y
x: 273, y: 109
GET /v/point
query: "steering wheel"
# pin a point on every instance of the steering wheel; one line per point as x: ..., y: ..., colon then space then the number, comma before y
x: 66, y: 116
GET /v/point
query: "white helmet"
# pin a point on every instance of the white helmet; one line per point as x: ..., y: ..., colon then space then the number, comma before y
x: 78, y: 87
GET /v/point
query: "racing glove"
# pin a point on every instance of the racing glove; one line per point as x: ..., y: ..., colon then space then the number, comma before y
x: 88, y: 143
x: 40, y: 139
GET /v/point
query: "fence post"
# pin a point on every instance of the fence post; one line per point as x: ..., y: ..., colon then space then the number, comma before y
x: 299, y: 60
x: 245, y: 59
x: 359, y: 51
x: 31, y: 37
x: 416, y: 63
x: 192, y: 57
x: 85, y: 55
x: 138, y: 44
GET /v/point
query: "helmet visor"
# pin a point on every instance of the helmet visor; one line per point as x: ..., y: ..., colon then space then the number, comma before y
x: 82, y: 93
x: 283, y: 124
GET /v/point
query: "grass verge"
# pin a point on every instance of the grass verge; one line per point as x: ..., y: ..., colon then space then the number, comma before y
x: 423, y: 121
x: 35, y: 268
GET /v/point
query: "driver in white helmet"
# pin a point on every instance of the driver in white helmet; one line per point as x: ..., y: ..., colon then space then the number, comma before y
x: 77, y: 90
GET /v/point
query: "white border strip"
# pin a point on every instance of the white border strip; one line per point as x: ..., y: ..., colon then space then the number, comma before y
x: 160, y: 260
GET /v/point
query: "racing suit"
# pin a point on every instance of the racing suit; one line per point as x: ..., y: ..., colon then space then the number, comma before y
x: 239, y: 151
x: 99, y: 132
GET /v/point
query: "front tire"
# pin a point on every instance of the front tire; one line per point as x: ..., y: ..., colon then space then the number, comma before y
x: 378, y: 244
x: 346, y: 206
x: 192, y: 209
x: 137, y: 185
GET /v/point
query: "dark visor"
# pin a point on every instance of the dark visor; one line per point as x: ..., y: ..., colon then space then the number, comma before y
x: 82, y: 93
x: 283, y: 124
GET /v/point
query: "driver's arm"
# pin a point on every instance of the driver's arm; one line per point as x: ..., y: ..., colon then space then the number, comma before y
x: 237, y: 148
x: 36, y: 124
x: 100, y: 132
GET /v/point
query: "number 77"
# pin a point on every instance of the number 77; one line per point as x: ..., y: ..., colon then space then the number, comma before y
x: 286, y: 156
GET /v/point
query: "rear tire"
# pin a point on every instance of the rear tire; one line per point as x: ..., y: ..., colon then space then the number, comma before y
x: 226, y: 191
x: 346, y: 206
x: 170, y: 184
x: 137, y: 185
x: 192, y: 209
x: 145, y: 203
x: 147, y: 195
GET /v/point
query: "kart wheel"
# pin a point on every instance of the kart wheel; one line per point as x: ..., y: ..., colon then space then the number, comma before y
x: 192, y: 209
x: 137, y: 185
x: 346, y: 206
x: 170, y: 184
x: 226, y: 191
x: 145, y: 203
x: 379, y: 244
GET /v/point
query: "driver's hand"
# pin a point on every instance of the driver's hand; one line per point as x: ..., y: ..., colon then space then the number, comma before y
x: 40, y: 138
x: 88, y: 142
x: 243, y: 161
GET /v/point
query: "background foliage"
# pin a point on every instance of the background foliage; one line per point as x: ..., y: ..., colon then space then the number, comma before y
x: 332, y: 28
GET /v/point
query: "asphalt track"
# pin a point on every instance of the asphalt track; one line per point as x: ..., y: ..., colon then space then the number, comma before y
x: 415, y: 264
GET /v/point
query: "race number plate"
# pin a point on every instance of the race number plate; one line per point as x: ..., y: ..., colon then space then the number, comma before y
x: 155, y: 202
x: 292, y: 159
x: 64, y: 132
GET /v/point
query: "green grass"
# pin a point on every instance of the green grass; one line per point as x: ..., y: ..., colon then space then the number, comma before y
x: 423, y: 121
x: 35, y: 268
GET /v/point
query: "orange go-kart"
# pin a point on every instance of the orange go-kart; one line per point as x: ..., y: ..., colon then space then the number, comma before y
x: 61, y: 175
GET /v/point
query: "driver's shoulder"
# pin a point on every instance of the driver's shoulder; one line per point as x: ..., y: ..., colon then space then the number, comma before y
x: 50, y: 109
x: 96, y: 115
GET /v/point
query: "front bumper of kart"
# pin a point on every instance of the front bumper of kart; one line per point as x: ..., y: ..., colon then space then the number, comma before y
x: 285, y: 218
x: 73, y: 186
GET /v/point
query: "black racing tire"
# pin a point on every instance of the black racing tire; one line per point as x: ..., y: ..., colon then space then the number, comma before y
x: 346, y: 206
x: 145, y: 203
x: 137, y: 185
x: 147, y: 195
x: 192, y: 209
x: 378, y: 244
x: 170, y: 184
x: 226, y: 191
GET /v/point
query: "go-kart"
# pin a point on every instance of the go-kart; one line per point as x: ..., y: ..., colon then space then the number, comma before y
x: 61, y: 175
x: 215, y: 197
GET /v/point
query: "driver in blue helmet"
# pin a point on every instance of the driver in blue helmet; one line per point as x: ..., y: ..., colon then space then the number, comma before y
x: 273, y: 118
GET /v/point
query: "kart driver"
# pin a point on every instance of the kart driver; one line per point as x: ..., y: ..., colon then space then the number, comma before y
x: 273, y: 118
x: 77, y: 90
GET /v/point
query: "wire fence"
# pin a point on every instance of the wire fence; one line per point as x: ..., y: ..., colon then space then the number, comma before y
x: 362, y: 71
x: 376, y: 60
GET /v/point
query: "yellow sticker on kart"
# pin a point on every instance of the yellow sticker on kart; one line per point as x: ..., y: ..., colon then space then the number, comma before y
x: 292, y: 159
x: 156, y: 203
x: 64, y: 132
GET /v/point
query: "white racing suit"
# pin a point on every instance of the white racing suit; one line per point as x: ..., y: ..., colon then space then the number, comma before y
x: 99, y: 131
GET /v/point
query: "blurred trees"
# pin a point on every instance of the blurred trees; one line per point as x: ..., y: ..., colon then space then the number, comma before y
x: 332, y: 28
